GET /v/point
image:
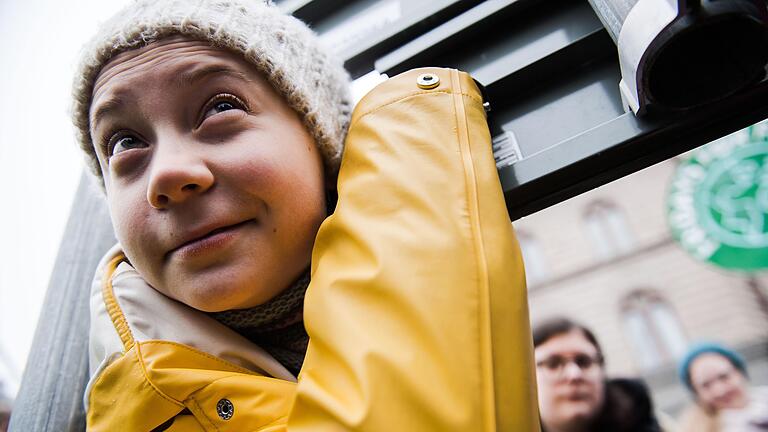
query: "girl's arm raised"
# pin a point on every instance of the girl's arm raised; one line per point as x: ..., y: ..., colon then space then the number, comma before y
x: 417, y: 309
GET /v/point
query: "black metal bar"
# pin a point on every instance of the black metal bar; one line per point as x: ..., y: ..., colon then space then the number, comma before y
x: 522, y: 34
x: 417, y: 17
x: 360, y: 59
x: 311, y: 11
x: 621, y: 147
x: 449, y: 36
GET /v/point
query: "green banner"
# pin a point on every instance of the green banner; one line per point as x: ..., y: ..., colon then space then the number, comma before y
x: 718, y: 201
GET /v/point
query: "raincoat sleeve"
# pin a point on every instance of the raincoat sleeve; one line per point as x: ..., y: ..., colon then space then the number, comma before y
x: 417, y: 309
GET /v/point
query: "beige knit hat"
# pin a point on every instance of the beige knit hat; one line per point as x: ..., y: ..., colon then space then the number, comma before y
x: 281, y: 47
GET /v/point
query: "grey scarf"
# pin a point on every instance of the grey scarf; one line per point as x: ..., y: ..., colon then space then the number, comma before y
x: 276, y: 326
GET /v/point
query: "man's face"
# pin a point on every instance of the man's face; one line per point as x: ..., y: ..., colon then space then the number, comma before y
x: 570, y: 380
x: 718, y: 384
x: 214, y: 185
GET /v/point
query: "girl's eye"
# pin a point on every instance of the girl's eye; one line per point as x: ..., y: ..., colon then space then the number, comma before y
x: 221, y: 103
x: 119, y: 144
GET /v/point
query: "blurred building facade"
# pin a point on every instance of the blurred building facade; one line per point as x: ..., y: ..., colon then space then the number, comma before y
x: 607, y: 259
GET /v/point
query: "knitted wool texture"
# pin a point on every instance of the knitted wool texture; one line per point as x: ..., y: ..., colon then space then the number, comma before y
x: 276, y: 326
x: 282, y: 48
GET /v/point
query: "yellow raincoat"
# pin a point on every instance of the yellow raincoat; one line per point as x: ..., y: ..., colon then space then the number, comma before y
x: 416, y: 311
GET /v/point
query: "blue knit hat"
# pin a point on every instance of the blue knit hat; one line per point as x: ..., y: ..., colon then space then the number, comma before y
x: 709, y: 347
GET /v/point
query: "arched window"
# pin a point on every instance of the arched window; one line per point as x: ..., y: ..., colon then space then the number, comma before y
x: 533, y: 257
x: 608, y: 229
x: 653, y: 329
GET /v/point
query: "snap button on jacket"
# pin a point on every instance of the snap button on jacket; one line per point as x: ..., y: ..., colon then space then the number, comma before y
x: 416, y: 311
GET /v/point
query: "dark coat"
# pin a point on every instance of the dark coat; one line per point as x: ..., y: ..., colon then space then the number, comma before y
x: 628, y: 408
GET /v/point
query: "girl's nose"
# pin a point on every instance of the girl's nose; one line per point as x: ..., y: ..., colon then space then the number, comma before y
x: 176, y: 175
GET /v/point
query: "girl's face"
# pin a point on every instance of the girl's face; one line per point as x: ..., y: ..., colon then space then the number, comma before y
x: 214, y: 185
x: 570, y: 378
x: 717, y: 383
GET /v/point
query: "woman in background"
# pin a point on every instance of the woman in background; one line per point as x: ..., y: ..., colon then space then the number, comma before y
x: 717, y: 378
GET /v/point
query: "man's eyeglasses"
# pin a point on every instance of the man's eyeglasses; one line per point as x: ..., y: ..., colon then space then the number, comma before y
x: 555, y: 365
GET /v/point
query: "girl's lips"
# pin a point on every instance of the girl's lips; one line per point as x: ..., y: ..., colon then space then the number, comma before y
x: 211, y: 242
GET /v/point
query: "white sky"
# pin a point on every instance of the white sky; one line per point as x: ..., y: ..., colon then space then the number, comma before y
x: 39, y: 44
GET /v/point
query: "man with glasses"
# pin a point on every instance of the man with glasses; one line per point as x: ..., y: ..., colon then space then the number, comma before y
x: 574, y: 393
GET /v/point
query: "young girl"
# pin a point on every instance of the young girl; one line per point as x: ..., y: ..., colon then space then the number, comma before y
x: 216, y: 128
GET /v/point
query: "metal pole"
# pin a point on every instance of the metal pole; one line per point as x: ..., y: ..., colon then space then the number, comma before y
x: 51, y: 394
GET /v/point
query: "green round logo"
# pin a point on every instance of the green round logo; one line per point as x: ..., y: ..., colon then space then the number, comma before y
x: 718, y: 203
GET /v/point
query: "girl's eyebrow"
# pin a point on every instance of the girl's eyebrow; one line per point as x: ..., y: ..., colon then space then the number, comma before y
x: 105, y: 109
x: 194, y: 76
